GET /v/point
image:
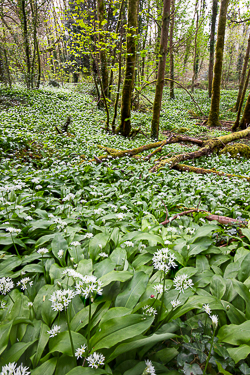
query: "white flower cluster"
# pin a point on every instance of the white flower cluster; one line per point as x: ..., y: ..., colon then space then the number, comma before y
x: 68, y: 197
x: 60, y: 223
x: 61, y: 299
x: 158, y: 288
x: 75, y: 243
x: 103, y: 255
x: 175, y: 303
x: 80, y: 351
x: 129, y: 244
x: 13, y: 230
x: 182, y: 283
x: 214, y: 318
x: 12, y: 369
x: 43, y: 251
x: 95, y: 360
x: 89, y: 285
x: 60, y: 254
x: 88, y: 235
x: 163, y: 260
x: 54, y: 331
x: 23, y: 283
x: 6, y: 285
x: 149, y: 370
x: 149, y: 311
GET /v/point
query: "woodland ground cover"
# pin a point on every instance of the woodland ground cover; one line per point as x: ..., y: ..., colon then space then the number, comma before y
x: 90, y: 281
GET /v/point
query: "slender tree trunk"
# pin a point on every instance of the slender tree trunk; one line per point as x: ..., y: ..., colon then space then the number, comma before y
x: 39, y: 66
x: 161, y: 70
x: 213, y: 118
x: 103, y: 57
x: 125, y: 124
x: 243, y: 76
x: 24, y: 24
x: 237, y: 122
x: 211, y: 46
x: 245, y: 121
x: 171, y: 50
x: 195, y: 45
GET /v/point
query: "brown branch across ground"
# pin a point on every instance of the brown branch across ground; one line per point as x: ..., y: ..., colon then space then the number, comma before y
x: 209, y: 216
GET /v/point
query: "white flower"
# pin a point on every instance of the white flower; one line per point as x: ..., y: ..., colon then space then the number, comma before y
x: 88, y: 235
x: 207, y: 309
x: 29, y: 218
x: 11, y: 369
x: 214, y: 319
x: 43, y: 251
x: 30, y: 304
x: 60, y: 254
x: 75, y: 243
x: 2, y: 304
x: 54, y: 331
x: 104, y: 255
x: 149, y: 311
x: 120, y: 216
x: 158, y: 288
x: 6, y: 285
x: 13, y: 230
x: 163, y: 260
x: 167, y: 242
x: 38, y: 187
x: 182, y: 282
x: 61, y: 299
x: 68, y: 197
x: 95, y: 360
x: 80, y: 351
x: 129, y: 243
x: 35, y: 180
x: 50, y: 215
x: 175, y: 303
x: 99, y: 211
x: 88, y: 286
x: 23, y: 283
x: 150, y: 370
x: 72, y: 273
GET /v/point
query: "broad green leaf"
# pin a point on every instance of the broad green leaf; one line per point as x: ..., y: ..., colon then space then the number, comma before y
x: 153, y: 239
x: 85, y: 267
x: 235, y: 334
x: 218, y: 286
x: 221, y: 369
x: 242, y: 290
x: 204, y: 231
x: 241, y: 352
x: 46, y: 368
x: 8, y: 265
x: 86, y: 371
x: 199, y: 246
x: 59, y: 243
x: 42, y: 305
x: 61, y: 342
x: 4, y: 334
x: 15, y: 352
x: 42, y: 342
x: 81, y: 319
x: 121, y: 276
x: 94, y: 248
x: 244, y: 269
x: 133, y: 291
x: 114, y: 331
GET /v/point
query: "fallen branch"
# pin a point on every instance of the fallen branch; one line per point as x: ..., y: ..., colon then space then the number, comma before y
x: 210, y: 217
x: 189, y: 168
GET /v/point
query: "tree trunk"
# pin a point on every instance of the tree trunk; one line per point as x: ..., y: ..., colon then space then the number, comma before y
x: 211, y: 47
x: 125, y: 124
x: 171, y: 51
x: 161, y: 70
x: 195, y: 46
x: 213, y: 118
x: 237, y: 121
x: 103, y: 58
x: 23, y: 17
x: 245, y: 121
x: 243, y: 76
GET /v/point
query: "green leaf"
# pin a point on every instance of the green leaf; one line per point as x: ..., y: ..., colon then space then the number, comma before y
x: 4, y: 334
x: 116, y: 330
x: 59, y: 243
x: 8, y: 265
x: 239, y: 353
x: 199, y: 246
x: 121, y: 276
x: 218, y: 286
x: 243, y: 291
x: 133, y: 291
x: 86, y: 371
x: 42, y: 305
x: 153, y: 239
x: 221, y: 369
x: 15, y: 352
x: 244, y: 269
x: 81, y: 319
x: 85, y: 267
x: 235, y: 334
x: 61, y: 342
x: 204, y: 231
x: 46, y: 368
x: 137, y: 343
x: 94, y: 248
x: 43, y: 340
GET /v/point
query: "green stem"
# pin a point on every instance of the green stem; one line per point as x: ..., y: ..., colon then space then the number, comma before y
x: 162, y: 301
x: 88, y: 334
x: 11, y: 298
x: 209, y: 354
x: 70, y: 337
x: 15, y: 246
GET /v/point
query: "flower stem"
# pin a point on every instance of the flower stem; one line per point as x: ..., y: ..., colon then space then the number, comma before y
x: 70, y: 337
x: 88, y: 334
x: 162, y: 301
x: 15, y: 246
x: 209, y: 354
x: 11, y: 298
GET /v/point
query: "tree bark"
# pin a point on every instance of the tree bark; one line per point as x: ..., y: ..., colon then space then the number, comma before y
x: 211, y: 46
x: 171, y: 51
x: 213, y: 118
x: 23, y: 17
x: 195, y: 46
x: 125, y: 124
x: 237, y: 121
x: 243, y: 76
x: 161, y: 70
x: 102, y: 53
x: 245, y: 121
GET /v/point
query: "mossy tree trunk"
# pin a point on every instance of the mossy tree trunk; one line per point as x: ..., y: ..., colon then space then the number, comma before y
x: 237, y: 121
x: 171, y: 50
x: 245, y: 121
x: 195, y: 46
x: 213, y: 118
x: 102, y: 47
x: 243, y: 76
x: 125, y: 124
x: 161, y: 70
x: 211, y: 46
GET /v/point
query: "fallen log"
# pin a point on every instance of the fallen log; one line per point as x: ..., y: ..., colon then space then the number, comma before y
x: 209, y: 216
x: 189, y: 168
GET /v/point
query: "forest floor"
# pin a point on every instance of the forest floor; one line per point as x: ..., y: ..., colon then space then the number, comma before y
x: 64, y: 217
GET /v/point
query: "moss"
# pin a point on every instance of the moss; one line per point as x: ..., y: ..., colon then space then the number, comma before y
x: 182, y: 130
x: 236, y: 150
x: 193, y: 114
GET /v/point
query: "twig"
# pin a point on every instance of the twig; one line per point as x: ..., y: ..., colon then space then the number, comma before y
x: 97, y: 159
